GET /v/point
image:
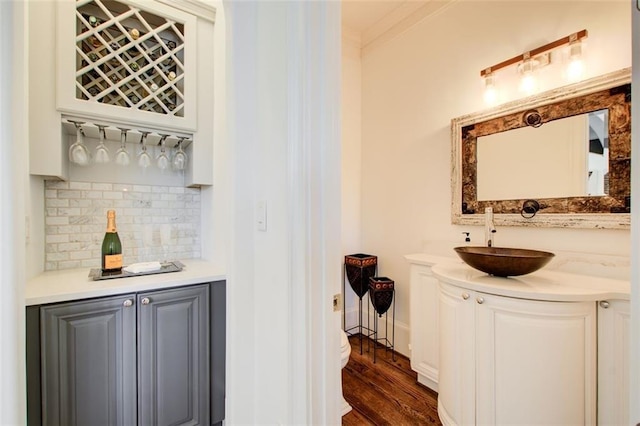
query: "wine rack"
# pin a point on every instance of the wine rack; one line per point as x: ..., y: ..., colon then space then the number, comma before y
x: 130, y: 58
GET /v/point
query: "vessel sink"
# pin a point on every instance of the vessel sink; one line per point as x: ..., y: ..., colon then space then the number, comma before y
x: 504, y: 261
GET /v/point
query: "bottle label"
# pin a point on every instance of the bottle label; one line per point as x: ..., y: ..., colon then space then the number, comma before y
x: 113, y: 261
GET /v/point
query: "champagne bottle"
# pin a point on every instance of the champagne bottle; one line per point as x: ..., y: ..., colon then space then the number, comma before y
x: 111, y: 246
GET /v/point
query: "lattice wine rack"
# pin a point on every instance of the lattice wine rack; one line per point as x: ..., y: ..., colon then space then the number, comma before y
x: 129, y: 58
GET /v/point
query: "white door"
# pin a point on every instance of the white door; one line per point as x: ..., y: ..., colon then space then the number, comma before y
x: 535, y: 361
x: 456, y: 398
x: 424, y: 325
x: 613, y: 362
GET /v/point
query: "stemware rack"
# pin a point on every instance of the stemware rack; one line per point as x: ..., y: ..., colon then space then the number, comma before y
x: 129, y: 57
x: 134, y: 134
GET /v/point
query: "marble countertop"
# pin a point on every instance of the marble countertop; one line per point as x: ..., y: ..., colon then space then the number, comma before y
x: 74, y: 284
x: 540, y: 285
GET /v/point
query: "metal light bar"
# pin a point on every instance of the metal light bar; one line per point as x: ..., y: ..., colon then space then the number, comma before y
x: 535, y: 52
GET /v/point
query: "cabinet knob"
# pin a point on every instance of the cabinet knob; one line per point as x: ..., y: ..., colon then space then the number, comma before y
x: 604, y: 304
x: 465, y: 296
x: 480, y: 300
x: 127, y: 303
x: 145, y: 300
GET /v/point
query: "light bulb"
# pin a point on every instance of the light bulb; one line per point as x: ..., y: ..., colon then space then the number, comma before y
x: 575, y: 69
x: 528, y: 81
x: 490, y: 92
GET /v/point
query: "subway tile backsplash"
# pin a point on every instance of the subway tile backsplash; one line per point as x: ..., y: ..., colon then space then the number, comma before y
x: 154, y: 222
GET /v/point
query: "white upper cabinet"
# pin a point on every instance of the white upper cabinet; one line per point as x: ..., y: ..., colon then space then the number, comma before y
x: 131, y: 61
x: 144, y: 65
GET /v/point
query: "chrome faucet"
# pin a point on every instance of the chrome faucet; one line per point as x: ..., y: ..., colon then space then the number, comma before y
x: 489, y: 226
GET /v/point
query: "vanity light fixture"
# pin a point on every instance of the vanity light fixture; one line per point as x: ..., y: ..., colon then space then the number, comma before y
x: 530, y: 61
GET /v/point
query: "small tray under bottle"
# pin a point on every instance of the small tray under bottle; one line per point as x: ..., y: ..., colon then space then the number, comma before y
x: 165, y: 267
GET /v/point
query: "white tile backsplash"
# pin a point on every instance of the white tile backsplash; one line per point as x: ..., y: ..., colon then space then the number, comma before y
x: 154, y: 222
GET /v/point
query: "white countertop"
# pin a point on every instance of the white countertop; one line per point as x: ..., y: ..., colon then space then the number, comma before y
x: 540, y: 285
x: 429, y: 259
x: 74, y: 284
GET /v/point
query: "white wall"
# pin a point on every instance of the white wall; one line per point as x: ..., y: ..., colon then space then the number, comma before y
x: 13, y: 163
x: 351, y: 153
x: 414, y: 84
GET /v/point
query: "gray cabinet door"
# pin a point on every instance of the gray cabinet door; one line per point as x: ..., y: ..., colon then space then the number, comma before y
x: 173, y: 356
x: 89, y: 362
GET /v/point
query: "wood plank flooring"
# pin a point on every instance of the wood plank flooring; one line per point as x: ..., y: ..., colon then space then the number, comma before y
x: 385, y: 393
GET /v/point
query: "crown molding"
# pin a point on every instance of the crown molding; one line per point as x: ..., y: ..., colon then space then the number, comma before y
x: 396, y: 23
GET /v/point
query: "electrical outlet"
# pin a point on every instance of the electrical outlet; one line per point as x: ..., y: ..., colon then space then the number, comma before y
x: 337, y: 302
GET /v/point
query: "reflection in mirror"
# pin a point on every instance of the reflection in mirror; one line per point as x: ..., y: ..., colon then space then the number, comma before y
x: 576, y: 163
x: 598, y: 161
x: 567, y: 157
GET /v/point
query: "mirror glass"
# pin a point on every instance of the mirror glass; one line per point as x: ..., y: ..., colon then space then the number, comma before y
x: 567, y: 157
x: 569, y: 149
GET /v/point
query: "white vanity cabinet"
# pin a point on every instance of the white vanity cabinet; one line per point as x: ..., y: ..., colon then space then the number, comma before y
x: 613, y: 362
x: 506, y: 360
x: 142, y: 65
x: 544, y: 348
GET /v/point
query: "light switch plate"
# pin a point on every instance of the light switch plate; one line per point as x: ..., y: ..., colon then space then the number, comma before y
x: 261, y: 215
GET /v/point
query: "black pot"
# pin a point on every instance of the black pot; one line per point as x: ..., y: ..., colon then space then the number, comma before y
x: 359, y: 268
x: 381, y: 291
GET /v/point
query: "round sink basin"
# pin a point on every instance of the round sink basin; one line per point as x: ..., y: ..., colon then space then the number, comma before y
x: 503, y: 261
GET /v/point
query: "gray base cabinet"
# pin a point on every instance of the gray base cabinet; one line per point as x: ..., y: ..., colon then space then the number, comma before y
x: 173, y: 348
x: 89, y: 362
x: 149, y: 358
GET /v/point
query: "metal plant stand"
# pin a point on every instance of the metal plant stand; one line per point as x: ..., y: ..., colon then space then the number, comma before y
x: 381, y: 292
x: 358, y: 269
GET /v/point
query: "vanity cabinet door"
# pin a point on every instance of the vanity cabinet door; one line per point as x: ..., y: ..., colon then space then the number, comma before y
x: 613, y: 362
x: 424, y: 330
x: 535, y: 361
x: 173, y: 356
x: 456, y: 398
x: 88, y: 353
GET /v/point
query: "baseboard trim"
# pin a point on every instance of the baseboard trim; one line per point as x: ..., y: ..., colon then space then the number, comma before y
x: 424, y: 380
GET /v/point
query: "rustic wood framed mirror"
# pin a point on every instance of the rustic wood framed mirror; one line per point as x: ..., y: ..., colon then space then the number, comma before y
x: 568, y: 149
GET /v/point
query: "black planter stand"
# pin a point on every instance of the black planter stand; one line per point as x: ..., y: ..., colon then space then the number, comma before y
x: 381, y: 292
x: 358, y: 269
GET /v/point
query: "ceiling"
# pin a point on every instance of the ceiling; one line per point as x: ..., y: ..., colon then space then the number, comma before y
x: 360, y: 15
x: 370, y: 19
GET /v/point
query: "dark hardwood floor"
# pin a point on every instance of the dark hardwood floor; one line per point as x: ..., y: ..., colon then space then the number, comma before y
x: 385, y: 393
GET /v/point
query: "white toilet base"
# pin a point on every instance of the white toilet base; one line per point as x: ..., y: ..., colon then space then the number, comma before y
x: 345, y: 406
x: 345, y: 352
